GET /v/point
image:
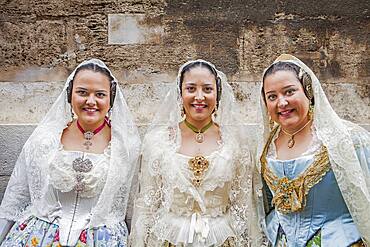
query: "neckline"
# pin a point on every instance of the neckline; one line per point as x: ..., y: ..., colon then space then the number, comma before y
x: 311, y: 148
x: 105, y: 151
x: 178, y: 139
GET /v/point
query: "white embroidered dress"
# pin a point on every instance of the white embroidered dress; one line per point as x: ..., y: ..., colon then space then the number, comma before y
x: 39, y: 173
x: 170, y: 209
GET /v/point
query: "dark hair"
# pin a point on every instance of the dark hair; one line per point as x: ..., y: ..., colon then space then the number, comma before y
x: 210, y: 68
x: 303, y: 77
x: 96, y: 68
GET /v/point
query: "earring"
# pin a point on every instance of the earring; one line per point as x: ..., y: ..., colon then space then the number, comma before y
x: 108, y: 117
x: 215, y: 112
x: 72, y: 114
x: 310, y: 112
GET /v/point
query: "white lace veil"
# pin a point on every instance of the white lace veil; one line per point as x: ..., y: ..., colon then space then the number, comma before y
x: 45, y: 141
x: 171, y: 107
x: 349, y: 150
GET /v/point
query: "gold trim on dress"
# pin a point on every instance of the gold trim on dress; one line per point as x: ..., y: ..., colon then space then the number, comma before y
x: 290, y: 195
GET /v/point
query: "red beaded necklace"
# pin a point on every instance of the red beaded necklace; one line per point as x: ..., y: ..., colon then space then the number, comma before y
x: 88, y: 135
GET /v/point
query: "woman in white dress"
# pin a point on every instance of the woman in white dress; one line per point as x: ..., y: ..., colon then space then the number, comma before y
x: 195, y: 184
x: 71, y: 182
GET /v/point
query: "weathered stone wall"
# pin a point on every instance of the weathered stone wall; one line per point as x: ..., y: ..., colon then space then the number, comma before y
x: 145, y: 41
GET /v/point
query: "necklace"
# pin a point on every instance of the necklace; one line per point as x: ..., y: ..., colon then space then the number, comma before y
x: 291, y: 141
x: 290, y: 194
x: 88, y: 135
x: 199, y: 137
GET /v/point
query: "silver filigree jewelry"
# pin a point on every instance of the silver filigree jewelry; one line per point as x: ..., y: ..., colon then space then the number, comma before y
x: 81, y: 166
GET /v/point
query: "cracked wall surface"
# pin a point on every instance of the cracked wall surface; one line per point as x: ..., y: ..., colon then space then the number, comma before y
x: 145, y: 41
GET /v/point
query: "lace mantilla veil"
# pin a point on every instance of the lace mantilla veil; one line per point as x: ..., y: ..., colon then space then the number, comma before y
x: 167, y: 118
x: 23, y: 198
x: 349, y: 151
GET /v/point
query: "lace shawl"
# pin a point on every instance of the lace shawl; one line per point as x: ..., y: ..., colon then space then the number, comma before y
x: 30, y: 177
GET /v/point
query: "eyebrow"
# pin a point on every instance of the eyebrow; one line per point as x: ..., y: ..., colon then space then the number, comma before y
x: 192, y: 84
x: 282, y: 88
x: 99, y: 90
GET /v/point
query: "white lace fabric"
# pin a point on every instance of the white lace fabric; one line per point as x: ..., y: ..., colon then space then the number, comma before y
x: 64, y: 178
x: 170, y: 208
x: 349, y: 150
x: 30, y: 178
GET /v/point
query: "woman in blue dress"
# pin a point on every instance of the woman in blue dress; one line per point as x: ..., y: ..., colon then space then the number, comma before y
x: 71, y: 182
x: 314, y: 165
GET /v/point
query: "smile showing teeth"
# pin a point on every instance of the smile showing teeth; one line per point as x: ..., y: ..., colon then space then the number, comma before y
x: 283, y: 113
x: 199, y: 106
x: 90, y: 110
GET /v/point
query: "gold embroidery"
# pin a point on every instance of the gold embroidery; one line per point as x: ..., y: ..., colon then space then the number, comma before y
x: 290, y: 195
x: 198, y: 165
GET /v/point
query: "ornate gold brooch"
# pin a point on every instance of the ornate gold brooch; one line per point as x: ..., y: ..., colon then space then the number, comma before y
x: 199, y: 165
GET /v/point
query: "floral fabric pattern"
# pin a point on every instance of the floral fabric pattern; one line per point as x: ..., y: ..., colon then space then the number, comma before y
x: 38, y: 233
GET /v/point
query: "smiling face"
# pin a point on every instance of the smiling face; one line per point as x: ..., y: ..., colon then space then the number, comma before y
x: 199, y: 95
x: 286, y: 101
x: 90, y: 98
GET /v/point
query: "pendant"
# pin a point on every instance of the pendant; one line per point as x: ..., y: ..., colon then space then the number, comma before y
x: 291, y: 142
x: 199, y: 137
x: 87, y: 144
x: 88, y: 135
x: 82, y: 165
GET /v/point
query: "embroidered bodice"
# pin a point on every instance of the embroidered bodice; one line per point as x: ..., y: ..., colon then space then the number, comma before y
x: 173, y: 207
x: 196, y: 214
x: 325, y: 209
x: 63, y: 204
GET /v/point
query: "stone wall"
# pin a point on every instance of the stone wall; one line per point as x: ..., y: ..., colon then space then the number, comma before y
x: 145, y: 41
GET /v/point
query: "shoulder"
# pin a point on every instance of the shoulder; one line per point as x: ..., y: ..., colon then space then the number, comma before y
x: 158, y: 138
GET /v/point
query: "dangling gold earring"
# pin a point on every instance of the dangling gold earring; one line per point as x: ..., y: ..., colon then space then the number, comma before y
x: 215, y: 112
x: 310, y: 112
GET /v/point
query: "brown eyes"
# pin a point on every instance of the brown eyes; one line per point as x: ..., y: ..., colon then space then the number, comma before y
x: 85, y: 93
x: 205, y: 89
x: 271, y: 97
x: 288, y: 92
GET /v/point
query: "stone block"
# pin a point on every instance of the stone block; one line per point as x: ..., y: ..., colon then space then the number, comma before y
x: 34, y: 44
x: 27, y: 103
x: 134, y: 29
x: 12, y: 138
x: 335, y: 55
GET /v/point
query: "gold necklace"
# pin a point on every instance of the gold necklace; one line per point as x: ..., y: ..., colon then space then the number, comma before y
x: 291, y: 141
x: 199, y: 137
